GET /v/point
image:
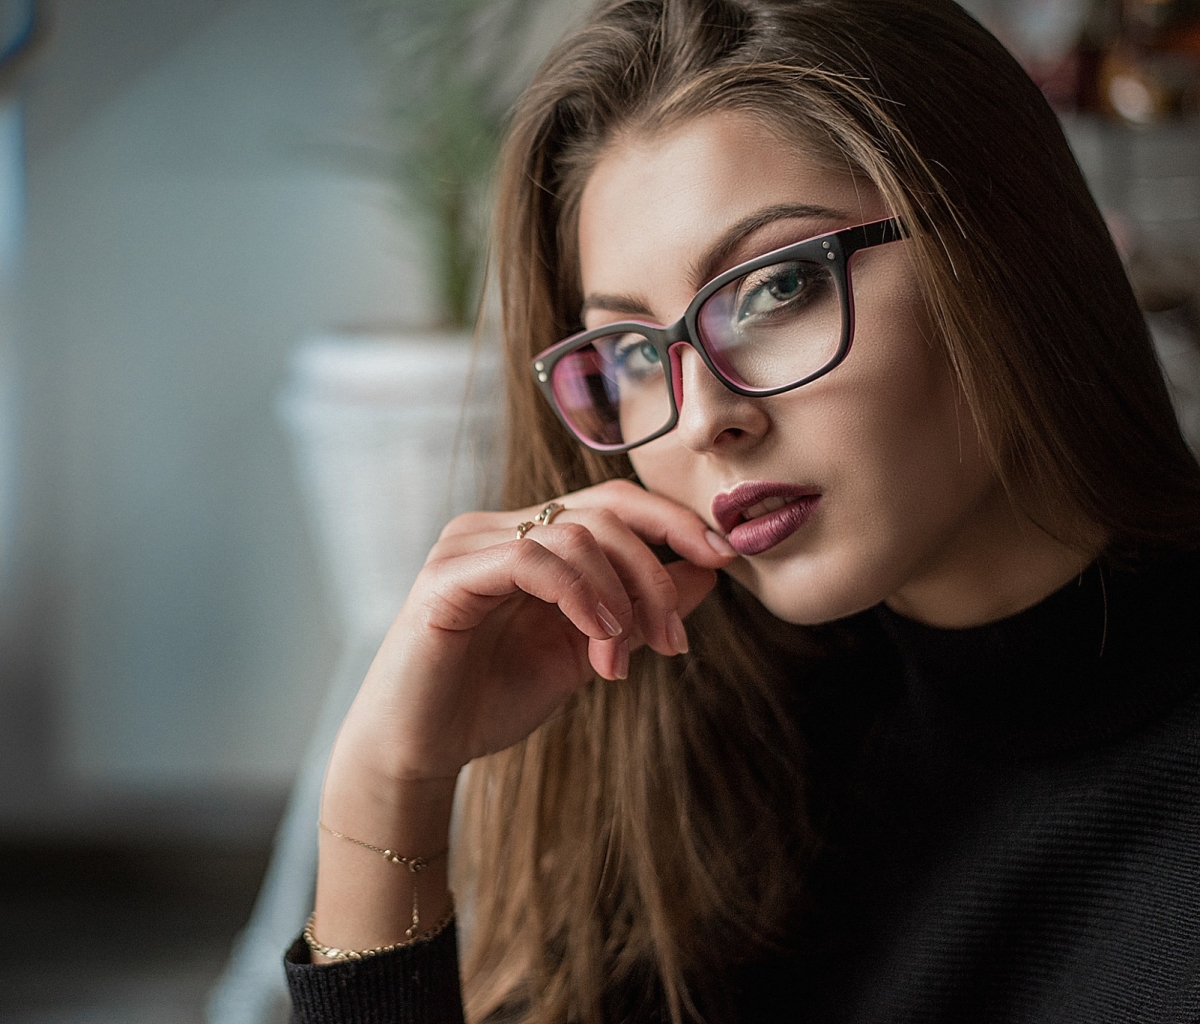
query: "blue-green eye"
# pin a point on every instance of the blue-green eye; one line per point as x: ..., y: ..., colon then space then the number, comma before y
x: 644, y: 351
x: 784, y: 286
x: 638, y: 358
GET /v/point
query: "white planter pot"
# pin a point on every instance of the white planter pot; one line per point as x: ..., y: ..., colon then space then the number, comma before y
x: 389, y: 446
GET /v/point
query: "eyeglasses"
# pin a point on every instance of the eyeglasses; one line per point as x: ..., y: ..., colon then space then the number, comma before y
x: 774, y: 323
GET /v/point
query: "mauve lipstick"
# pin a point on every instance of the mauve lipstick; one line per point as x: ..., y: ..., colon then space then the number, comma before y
x: 764, y: 531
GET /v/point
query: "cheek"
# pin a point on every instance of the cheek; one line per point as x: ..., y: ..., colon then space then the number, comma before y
x: 901, y: 472
x: 911, y: 460
x: 661, y: 467
x: 912, y: 423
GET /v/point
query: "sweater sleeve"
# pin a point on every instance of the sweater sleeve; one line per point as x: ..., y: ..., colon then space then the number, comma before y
x: 414, y: 984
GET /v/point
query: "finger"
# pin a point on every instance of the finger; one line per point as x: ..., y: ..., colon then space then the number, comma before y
x: 610, y: 658
x: 474, y: 522
x: 580, y: 545
x: 577, y: 545
x: 656, y: 519
x: 581, y: 556
x: 692, y: 583
x: 650, y: 587
x: 659, y: 520
x: 631, y: 580
x: 458, y: 593
x: 657, y: 617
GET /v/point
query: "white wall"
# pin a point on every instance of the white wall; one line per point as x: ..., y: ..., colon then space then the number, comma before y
x: 182, y: 237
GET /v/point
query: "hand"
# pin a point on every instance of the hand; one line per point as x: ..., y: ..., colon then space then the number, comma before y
x: 497, y: 632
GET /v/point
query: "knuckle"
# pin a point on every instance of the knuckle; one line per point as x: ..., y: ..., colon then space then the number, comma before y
x: 441, y: 565
x: 443, y: 612
x: 576, y: 536
x: 524, y: 552
x: 443, y: 549
x: 446, y: 547
x: 608, y: 519
x: 575, y: 584
x: 617, y: 488
x: 467, y: 522
x: 661, y: 588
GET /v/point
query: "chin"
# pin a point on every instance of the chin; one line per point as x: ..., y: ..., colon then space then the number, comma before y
x: 809, y: 591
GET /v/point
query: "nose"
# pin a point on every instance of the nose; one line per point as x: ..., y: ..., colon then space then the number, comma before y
x: 710, y: 415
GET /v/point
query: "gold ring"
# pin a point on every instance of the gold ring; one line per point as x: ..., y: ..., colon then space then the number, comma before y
x: 524, y: 528
x: 546, y: 516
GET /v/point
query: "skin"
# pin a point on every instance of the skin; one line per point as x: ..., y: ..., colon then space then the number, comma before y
x: 497, y: 632
x: 910, y: 510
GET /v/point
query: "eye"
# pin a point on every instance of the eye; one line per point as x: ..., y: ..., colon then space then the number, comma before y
x: 781, y: 287
x: 635, y: 357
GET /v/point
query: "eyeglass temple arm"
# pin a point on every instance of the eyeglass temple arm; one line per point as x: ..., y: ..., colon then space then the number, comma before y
x: 867, y: 235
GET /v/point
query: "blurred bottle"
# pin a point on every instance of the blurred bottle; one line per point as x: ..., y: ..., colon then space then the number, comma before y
x: 1099, y: 37
x: 1149, y: 21
x: 1151, y: 74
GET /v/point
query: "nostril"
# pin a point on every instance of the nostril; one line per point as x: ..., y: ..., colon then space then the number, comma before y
x: 718, y: 416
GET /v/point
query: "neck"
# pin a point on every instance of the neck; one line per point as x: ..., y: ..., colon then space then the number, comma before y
x: 998, y: 564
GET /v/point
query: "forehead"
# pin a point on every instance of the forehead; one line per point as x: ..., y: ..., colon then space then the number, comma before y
x: 659, y: 201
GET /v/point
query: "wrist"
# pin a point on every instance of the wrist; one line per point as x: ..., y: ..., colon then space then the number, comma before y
x: 382, y: 872
x: 368, y: 747
x: 411, y: 816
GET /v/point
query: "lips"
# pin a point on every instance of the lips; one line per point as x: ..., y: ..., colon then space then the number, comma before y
x: 756, y: 516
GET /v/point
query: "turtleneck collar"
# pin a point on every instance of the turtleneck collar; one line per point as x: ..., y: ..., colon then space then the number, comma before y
x: 1105, y: 654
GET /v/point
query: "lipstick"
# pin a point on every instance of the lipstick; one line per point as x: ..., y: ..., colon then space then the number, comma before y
x: 757, y: 515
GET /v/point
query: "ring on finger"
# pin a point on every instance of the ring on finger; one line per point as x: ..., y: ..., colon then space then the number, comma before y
x: 546, y: 516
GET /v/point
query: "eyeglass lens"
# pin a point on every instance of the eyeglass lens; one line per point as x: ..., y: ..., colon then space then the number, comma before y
x: 767, y: 329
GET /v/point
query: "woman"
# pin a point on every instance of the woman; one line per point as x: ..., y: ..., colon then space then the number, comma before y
x: 925, y: 749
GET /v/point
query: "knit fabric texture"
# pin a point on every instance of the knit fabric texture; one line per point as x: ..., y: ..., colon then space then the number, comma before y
x: 414, y: 984
x: 1013, y: 836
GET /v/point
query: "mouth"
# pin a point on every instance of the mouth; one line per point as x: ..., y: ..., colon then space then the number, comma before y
x: 756, y: 516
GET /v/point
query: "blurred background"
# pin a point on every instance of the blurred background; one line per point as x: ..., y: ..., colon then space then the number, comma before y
x: 240, y: 252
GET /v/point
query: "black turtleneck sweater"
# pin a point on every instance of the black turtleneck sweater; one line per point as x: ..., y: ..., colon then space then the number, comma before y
x: 1016, y: 839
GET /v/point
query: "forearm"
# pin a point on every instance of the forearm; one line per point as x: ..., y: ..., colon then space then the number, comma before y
x: 365, y: 901
x: 496, y: 633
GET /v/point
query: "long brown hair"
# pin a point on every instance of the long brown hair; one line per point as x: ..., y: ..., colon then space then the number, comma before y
x: 657, y: 829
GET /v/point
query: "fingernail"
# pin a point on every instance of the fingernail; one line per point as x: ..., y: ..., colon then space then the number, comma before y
x: 720, y: 545
x: 621, y: 668
x: 676, y: 633
x: 608, y: 621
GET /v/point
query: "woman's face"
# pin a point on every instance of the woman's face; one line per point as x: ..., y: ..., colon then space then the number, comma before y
x: 886, y: 486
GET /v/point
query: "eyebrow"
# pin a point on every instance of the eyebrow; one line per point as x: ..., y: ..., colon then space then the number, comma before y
x: 706, y: 267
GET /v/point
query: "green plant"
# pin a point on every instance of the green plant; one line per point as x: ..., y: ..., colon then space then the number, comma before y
x: 450, y: 70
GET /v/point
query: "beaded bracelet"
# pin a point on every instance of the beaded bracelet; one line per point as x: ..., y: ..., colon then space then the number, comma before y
x: 334, y: 953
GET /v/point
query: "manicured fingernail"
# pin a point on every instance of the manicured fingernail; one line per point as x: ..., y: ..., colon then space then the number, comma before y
x: 621, y: 667
x: 719, y: 544
x: 676, y: 633
x: 608, y: 620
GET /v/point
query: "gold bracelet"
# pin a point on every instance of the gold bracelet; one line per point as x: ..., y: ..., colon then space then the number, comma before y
x: 414, y: 864
x: 334, y: 953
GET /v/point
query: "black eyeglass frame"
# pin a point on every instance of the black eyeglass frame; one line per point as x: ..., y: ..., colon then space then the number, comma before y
x: 834, y: 249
